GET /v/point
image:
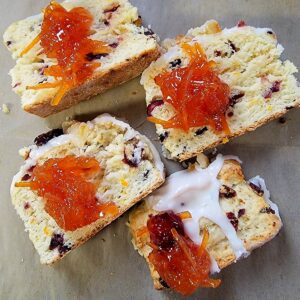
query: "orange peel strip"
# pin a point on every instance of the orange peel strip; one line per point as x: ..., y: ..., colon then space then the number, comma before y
x: 31, y: 45
x: 185, y: 215
x: 47, y: 85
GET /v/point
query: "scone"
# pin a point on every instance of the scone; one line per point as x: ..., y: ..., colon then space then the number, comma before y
x: 76, y: 181
x: 214, y: 207
x: 214, y: 84
x: 76, y: 50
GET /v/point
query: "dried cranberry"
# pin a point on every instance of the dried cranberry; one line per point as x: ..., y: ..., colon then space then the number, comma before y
x: 112, y: 9
x: 270, y: 32
x: 160, y: 226
x: 148, y: 31
x: 273, y: 89
x: 289, y: 107
x: 8, y: 43
x: 200, y: 131
x: 46, y: 137
x: 17, y: 84
x: 153, y: 105
x: 114, y: 45
x: 233, y: 220
x: 26, y: 205
x: 133, y: 153
x: 106, y: 22
x: 236, y: 97
x: 163, y: 136
x: 91, y: 56
x: 217, y: 53
x: 26, y: 177
x: 227, y: 192
x: 42, y: 70
x: 230, y: 114
x: 233, y: 47
x: 175, y: 63
x: 241, y: 212
x: 257, y: 189
x: 241, y: 23
x: 267, y: 210
x: 163, y: 283
x: 57, y: 241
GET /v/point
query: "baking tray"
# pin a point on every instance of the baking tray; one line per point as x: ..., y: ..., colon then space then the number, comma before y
x: 107, y: 267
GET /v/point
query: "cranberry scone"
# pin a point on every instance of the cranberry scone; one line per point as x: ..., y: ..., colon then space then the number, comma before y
x: 200, y: 221
x: 75, y: 50
x: 214, y: 84
x: 76, y: 181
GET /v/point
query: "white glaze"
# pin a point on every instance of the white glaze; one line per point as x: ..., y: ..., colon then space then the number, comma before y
x: 260, y: 182
x: 197, y: 191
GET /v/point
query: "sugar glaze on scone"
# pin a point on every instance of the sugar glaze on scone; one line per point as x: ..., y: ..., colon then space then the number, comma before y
x: 238, y: 216
x: 247, y: 59
x: 115, y: 23
x: 110, y: 142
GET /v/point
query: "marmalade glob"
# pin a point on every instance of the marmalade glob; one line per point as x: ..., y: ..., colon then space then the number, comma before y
x: 197, y: 94
x: 183, y: 265
x: 69, y: 185
x: 65, y: 37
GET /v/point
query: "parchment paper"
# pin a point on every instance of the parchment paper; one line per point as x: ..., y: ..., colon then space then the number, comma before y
x: 107, y: 267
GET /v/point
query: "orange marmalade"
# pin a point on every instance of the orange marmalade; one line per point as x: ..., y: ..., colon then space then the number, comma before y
x: 68, y: 185
x: 65, y: 37
x: 181, y: 264
x: 197, y: 94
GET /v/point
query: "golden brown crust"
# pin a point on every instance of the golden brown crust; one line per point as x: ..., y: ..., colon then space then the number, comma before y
x: 96, y: 85
x: 185, y: 156
x: 231, y: 175
x: 100, y: 224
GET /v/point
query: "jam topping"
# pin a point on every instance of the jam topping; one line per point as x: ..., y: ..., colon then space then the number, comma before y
x: 69, y: 185
x: 65, y: 37
x: 183, y: 265
x: 197, y: 94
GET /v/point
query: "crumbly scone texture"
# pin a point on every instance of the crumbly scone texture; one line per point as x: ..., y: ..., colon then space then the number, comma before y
x: 255, y: 226
x: 121, y: 183
x: 248, y: 59
x: 133, y: 48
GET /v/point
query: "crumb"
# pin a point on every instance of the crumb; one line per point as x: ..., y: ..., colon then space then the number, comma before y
x: 215, y: 151
x: 5, y: 108
x: 103, y: 240
x: 134, y: 92
x: 22, y: 260
x: 68, y: 118
x: 115, y: 235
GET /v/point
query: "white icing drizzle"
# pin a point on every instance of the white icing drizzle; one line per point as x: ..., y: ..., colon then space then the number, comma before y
x: 260, y: 182
x: 197, y: 191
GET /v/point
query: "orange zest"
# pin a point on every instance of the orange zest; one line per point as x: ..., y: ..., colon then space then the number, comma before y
x: 183, y: 265
x: 65, y: 37
x: 31, y: 45
x: 68, y: 186
x: 185, y: 215
x: 196, y: 93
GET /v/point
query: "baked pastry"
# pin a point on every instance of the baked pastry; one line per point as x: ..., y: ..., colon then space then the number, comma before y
x: 76, y: 50
x: 76, y: 181
x: 214, y: 84
x: 214, y: 207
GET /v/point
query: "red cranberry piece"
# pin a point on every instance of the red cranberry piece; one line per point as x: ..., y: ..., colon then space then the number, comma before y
x: 17, y: 84
x: 46, y: 137
x: 241, y: 212
x: 160, y: 226
x: 42, y: 70
x: 163, y: 136
x: 200, y: 131
x: 241, y: 23
x: 227, y: 192
x: 153, y: 105
x: 57, y: 241
x: 267, y: 210
x: 217, y: 53
x: 233, y: 47
x: 175, y: 63
x: 113, y: 45
x: 133, y: 153
x: 26, y: 205
x: 8, y: 43
x: 233, y: 220
x: 26, y: 177
x: 257, y: 189
x: 236, y: 97
x: 91, y: 56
